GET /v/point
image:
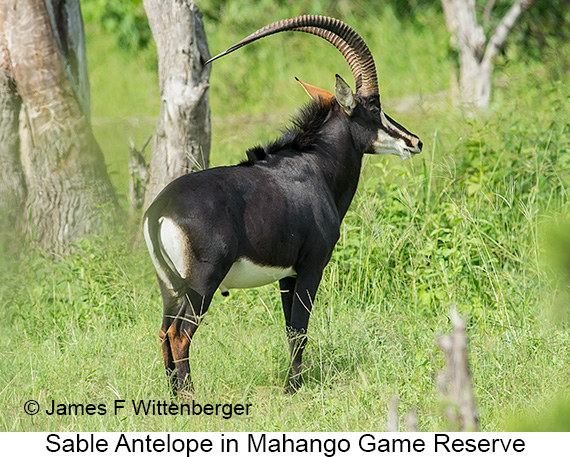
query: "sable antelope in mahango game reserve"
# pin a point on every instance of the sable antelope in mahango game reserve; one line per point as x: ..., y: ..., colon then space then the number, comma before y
x: 276, y: 216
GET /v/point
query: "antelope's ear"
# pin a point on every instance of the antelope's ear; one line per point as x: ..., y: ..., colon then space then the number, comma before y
x: 317, y: 94
x: 344, y: 95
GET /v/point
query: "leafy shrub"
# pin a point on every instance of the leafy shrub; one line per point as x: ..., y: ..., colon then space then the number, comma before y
x: 124, y: 19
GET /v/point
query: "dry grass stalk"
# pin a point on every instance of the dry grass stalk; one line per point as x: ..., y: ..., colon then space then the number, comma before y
x: 456, y: 383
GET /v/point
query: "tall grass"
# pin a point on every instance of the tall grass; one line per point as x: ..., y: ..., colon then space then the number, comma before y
x: 468, y: 224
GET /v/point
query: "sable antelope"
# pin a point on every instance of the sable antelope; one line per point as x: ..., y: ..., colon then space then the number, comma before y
x: 276, y: 216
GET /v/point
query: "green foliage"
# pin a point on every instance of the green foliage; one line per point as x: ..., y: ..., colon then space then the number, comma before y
x: 126, y: 20
x: 552, y: 417
x: 537, y: 31
x: 256, y: 77
x: 222, y: 11
x: 546, y: 23
x: 479, y: 222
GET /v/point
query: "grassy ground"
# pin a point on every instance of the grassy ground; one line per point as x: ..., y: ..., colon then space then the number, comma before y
x: 478, y: 222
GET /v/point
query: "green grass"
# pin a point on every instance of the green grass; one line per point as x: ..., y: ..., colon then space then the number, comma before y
x: 477, y: 222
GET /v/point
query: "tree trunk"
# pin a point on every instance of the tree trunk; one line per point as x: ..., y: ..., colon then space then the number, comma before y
x: 64, y: 169
x: 12, y: 181
x: 476, y: 58
x: 181, y: 141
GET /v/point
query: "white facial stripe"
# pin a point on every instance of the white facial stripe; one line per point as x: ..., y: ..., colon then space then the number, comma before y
x: 395, y: 130
x: 386, y: 144
x: 245, y: 274
x: 394, y: 143
x: 157, y: 265
x: 174, y: 246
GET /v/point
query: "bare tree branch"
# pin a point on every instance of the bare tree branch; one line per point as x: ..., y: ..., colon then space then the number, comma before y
x: 487, y: 12
x: 475, y: 52
x: 469, y: 33
x: 500, y: 34
x: 450, y: 15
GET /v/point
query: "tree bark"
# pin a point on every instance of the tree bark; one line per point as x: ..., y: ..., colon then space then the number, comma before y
x: 181, y: 141
x: 476, y: 54
x: 67, y: 23
x: 138, y: 175
x: 12, y: 180
x: 64, y: 169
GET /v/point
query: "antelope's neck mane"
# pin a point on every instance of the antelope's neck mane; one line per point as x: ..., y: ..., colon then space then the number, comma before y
x: 301, y: 136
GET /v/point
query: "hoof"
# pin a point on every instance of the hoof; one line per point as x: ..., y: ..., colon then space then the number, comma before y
x: 291, y: 390
x: 293, y: 385
x: 183, y: 391
x: 185, y: 395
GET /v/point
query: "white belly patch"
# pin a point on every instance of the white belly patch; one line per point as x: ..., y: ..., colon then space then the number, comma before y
x: 244, y: 274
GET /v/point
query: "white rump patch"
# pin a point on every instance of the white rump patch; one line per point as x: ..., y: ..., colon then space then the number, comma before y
x: 157, y: 265
x: 174, y: 246
x: 244, y: 274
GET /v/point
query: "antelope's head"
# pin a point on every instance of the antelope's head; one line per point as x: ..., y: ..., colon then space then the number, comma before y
x: 385, y: 136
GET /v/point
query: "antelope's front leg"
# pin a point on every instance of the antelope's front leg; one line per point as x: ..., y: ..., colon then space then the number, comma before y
x: 297, y: 343
x: 297, y: 297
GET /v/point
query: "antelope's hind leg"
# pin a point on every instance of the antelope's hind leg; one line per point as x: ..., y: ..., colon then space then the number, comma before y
x: 181, y: 317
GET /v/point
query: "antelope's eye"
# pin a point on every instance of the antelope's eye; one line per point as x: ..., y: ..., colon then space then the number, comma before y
x: 375, y: 110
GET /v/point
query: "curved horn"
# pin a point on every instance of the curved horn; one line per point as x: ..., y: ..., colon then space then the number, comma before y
x: 336, y: 32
